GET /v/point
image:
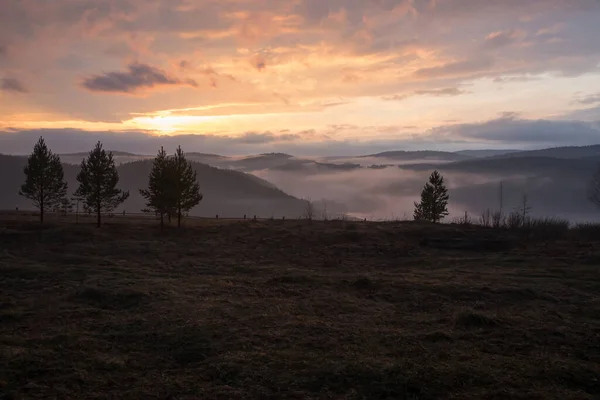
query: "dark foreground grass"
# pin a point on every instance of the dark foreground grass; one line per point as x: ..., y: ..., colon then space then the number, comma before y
x: 293, y: 310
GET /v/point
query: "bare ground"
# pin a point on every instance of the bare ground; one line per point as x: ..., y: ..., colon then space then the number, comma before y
x: 274, y: 309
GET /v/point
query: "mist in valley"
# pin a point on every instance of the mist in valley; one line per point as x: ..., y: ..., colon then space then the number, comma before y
x: 389, y: 193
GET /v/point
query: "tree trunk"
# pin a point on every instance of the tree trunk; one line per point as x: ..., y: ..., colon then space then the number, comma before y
x: 42, y: 209
x: 162, y: 220
x: 98, y: 214
x: 179, y: 217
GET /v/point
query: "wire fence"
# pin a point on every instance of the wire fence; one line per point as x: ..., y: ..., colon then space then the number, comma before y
x: 81, y: 215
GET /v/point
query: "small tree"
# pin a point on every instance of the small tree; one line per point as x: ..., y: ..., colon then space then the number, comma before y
x: 434, y: 200
x: 309, y: 209
x: 185, y: 193
x: 98, y: 181
x: 594, y: 188
x: 44, y: 183
x: 525, y: 210
x: 159, y: 195
x: 65, y: 206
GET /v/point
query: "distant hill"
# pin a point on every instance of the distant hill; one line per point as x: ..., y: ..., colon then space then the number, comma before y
x: 114, y: 152
x: 516, y: 165
x: 226, y: 192
x: 421, y: 155
x: 568, y: 152
x: 485, y: 152
x: 120, y: 157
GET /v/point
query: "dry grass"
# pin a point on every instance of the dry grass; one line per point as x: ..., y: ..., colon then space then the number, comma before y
x: 277, y: 309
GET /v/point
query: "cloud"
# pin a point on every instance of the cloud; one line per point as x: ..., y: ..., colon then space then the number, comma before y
x: 551, y: 30
x: 510, y: 130
x: 515, y: 78
x: 75, y: 140
x: 500, y: 39
x: 456, y: 69
x: 507, y: 131
x: 307, y: 51
x: 138, y: 76
x: 445, y: 92
x: 12, y: 85
x: 589, y: 99
x: 264, y: 138
x: 259, y: 62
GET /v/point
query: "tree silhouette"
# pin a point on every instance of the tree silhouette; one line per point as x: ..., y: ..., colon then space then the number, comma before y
x: 434, y: 200
x: 160, y: 193
x: 98, y: 181
x: 44, y: 182
x: 594, y: 188
x: 185, y: 193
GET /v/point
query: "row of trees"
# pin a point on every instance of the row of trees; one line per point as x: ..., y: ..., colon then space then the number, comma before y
x: 173, y: 187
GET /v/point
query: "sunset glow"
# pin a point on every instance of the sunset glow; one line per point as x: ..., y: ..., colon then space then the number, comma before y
x: 401, y: 72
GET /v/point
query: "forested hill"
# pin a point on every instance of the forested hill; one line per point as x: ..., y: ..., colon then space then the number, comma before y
x: 226, y: 192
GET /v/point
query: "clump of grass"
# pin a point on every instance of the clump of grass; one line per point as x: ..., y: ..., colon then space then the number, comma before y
x: 518, y: 221
x: 438, y: 337
x: 464, y: 220
x: 547, y: 228
x: 474, y: 320
x: 110, y: 299
x: 587, y: 231
x: 362, y: 283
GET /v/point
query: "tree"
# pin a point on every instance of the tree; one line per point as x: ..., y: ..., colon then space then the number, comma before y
x: 185, y: 193
x: 65, y: 206
x: 309, y: 209
x: 525, y: 210
x: 594, y: 188
x: 159, y: 195
x: 44, y: 184
x: 434, y: 200
x: 98, y: 181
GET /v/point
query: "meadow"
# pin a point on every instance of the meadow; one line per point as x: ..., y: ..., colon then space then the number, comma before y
x: 295, y: 310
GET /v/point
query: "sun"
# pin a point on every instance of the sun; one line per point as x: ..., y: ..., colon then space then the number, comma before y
x: 173, y: 123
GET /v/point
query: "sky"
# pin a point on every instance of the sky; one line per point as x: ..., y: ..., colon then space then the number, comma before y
x: 306, y: 77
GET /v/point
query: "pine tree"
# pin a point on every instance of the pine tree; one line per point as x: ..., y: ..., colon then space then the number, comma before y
x: 159, y: 195
x: 593, y: 192
x: 98, y: 181
x: 186, y: 190
x: 434, y: 200
x: 44, y: 182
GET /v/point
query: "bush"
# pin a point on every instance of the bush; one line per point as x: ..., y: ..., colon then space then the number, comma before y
x: 548, y: 228
x: 485, y: 219
x: 464, y: 220
x: 514, y: 221
x: 587, y: 231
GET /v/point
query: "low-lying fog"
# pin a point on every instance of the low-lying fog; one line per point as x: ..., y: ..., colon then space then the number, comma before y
x: 390, y: 193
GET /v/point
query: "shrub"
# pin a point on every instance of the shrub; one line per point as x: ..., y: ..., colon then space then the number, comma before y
x: 464, y: 220
x: 587, y: 231
x: 485, y: 219
x: 548, y: 228
x: 514, y: 221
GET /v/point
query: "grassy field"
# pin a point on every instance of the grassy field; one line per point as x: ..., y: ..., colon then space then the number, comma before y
x: 274, y: 309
